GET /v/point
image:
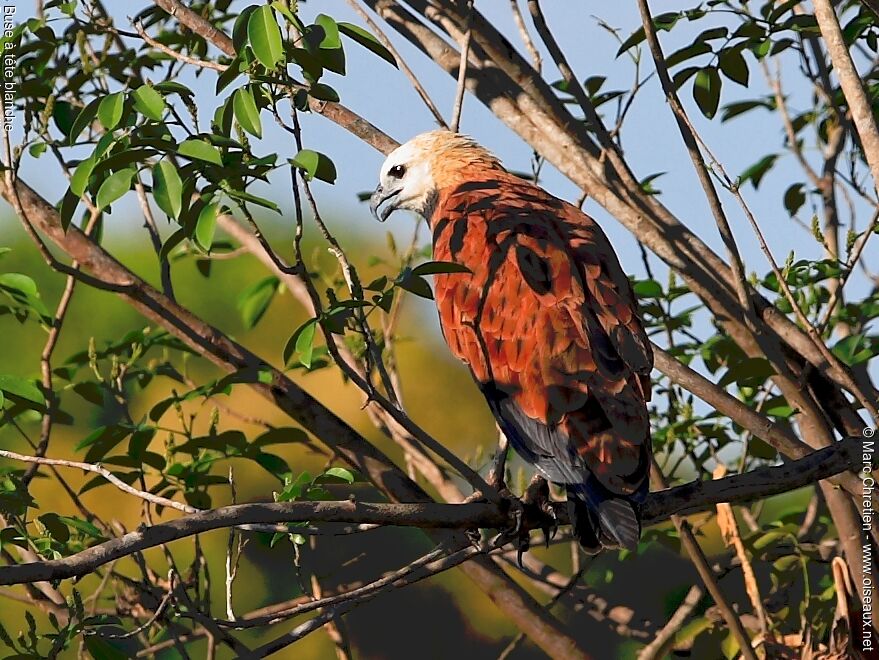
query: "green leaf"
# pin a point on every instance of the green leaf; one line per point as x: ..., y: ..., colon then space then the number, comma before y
x: 206, y: 225
x: 198, y: 149
x: 280, y: 436
x: 149, y: 102
x: 706, y: 90
x: 227, y: 76
x: 434, y: 267
x: 689, y: 52
x: 56, y: 528
x: 265, y: 37
x: 367, y: 40
x: 82, y: 526
x: 414, y: 284
x: 323, y: 92
x: 634, y: 39
x: 173, y: 87
x: 316, y: 165
x: 114, y: 186
x: 856, y: 349
x: 275, y: 465
x: 80, y: 178
x: 758, y: 170
x: 90, y: 391
x: 102, y: 650
x: 731, y: 110
x: 85, y: 117
x: 683, y: 76
x: 246, y: 111
x: 794, y: 198
x: 20, y: 283
x: 664, y: 22
x: 647, y: 186
x: 341, y: 473
x: 331, y: 38
x: 167, y: 188
x: 254, y: 301
x: 22, y: 388
x: 110, y: 110
x: 290, y: 16
x: 305, y: 344
x: 68, y: 207
x: 647, y: 289
x: 733, y: 65
x: 37, y: 149
x: 247, y: 197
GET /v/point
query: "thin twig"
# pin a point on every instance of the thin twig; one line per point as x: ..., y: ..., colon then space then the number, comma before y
x: 401, y: 62
x: 109, y: 476
x: 536, y: 60
x: 656, y: 648
x: 455, y: 123
x: 46, y: 376
x: 703, y: 568
x: 149, y: 222
x: 180, y: 57
x: 848, y: 269
x: 729, y: 531
x: 688, y: 134
x: 431, y: 564
x: 519, y: 638
x: 335, y: 628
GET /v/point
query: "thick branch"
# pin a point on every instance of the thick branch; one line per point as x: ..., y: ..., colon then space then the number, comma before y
x: 681, y: 500
x: 850, y: 81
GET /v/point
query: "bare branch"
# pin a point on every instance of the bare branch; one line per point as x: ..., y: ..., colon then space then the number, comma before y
x: 688, y: 135
x: 656, y: 648
x: 850, y: 81
x: 180, y: 57
x: 759, y: 425
x: 709, y: 579
x: 687, y: 499
x: 401, y: 62
x: 109, y: 476
x: 455, y: 124
x: 536, y: 60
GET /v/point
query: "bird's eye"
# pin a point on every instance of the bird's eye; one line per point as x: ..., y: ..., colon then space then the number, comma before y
x: 397, y: 171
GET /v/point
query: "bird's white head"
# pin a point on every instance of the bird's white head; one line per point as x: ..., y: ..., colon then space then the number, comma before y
x: 413, y: 173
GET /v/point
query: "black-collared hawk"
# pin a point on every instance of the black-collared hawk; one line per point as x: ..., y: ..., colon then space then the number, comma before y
x: 546, y: 320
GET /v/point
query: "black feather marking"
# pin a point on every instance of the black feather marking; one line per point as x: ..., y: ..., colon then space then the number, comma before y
x: 535, y: 271
x: 439, y: 227
x: 476, y: 186
x: 456, y: 240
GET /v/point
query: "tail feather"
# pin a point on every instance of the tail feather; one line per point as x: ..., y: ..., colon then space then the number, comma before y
x: 601, y: 519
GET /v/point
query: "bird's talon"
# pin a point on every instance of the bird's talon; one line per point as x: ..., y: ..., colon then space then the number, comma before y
x: 524, y: 546
x: 474, y: 537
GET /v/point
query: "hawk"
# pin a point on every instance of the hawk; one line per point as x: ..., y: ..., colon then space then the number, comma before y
x: 545, y: 319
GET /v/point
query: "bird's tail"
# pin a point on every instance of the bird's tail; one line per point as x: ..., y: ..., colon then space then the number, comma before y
x: 601, y: 519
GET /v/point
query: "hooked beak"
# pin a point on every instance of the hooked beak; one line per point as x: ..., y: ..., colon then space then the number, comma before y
x: 379, y: 197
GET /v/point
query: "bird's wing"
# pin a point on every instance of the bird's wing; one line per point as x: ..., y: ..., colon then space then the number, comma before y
x: 548, y: 324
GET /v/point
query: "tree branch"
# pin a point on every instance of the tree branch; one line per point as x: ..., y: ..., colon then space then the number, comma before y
x: 687, y: 499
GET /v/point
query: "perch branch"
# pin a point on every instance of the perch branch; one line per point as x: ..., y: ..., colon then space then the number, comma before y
x: 686, y: 499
